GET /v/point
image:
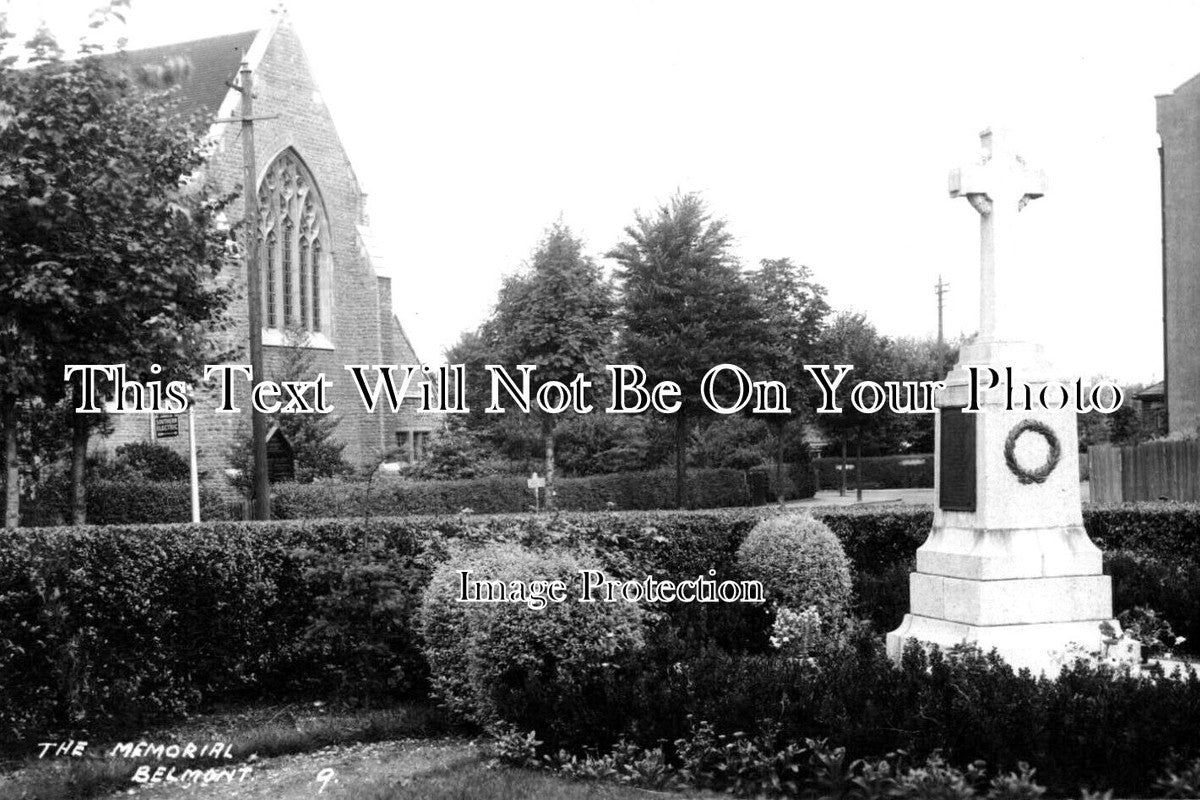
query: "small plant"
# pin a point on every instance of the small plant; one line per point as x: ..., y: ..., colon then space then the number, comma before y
x: 517, y: 749
x: 796, y: 634
x: 1154, y: 633
x: 801, y: 564
x: 1017, y: 785
x: 1183, y: 782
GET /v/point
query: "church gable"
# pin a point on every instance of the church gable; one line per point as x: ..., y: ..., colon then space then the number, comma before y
x: 314, y: 275
x: 211, y: 63
x: 318, y: 274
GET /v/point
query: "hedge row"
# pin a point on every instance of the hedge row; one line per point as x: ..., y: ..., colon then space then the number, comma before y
x: 132, y: 502
x: 129, y: 502
x: 101, y: 624
x: 104, y: 622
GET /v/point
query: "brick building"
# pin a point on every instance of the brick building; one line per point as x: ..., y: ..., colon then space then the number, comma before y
x: 319, y: 274
x: 1179, y: 154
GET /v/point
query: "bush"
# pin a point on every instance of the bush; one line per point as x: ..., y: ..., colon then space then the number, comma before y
x: 104, y: 625
x: 800, y: 563
x: 505, y: 662
x: 361, y: 628
x: 1089, y: 728
x: 1168, y: 585
x: 98, y: 624
x: 882, y: 598
x: 124, y: 502
x: 150, y: 461
x: 1146, y: 527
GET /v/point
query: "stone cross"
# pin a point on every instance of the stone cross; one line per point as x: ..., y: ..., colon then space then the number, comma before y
x: 999, y: 186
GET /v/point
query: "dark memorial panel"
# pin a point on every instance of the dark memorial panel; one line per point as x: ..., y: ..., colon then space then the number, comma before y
x: 957, y: 451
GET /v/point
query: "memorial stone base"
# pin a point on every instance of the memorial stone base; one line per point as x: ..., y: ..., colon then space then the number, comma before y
x: 1008, y: 564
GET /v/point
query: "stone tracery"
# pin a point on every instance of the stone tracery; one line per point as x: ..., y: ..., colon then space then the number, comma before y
x: 292, y: 227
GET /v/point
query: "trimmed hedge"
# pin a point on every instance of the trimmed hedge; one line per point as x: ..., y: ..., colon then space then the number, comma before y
x: 101, y: 623
x: 127, y: 502
x: 1091, y: 728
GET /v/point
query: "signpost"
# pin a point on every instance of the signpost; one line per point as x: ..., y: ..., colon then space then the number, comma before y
x: 536, y: 483
x: 194, y: 473
x: 166, y: 426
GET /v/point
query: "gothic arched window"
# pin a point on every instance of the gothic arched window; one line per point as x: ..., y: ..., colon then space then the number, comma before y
x: 294, y: 240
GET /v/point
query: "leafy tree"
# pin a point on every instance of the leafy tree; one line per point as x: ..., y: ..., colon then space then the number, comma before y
x: 317, y: 453
x: 556, y: 316
x: 916, y: 359
x: 455, y: 453
x: 108, y: 250
x: 794, y: 311
x: 473, y: 351
x: 591, y: 444
x: 506, y: 436
x: 738, y: 441
x: 148, y: 461
x: 851, y: 339
x: 1124, y: 426
x: 685, y: 306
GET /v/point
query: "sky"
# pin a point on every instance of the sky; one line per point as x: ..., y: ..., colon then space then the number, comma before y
x: 822, y: 132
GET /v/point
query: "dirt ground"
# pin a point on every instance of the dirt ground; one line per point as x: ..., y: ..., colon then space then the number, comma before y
x: 332, y: 772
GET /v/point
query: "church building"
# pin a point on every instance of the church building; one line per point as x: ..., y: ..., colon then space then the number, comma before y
x: 322, y: 282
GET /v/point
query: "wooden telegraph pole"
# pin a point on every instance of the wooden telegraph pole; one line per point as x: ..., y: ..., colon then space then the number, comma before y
x: 940, y: 290
x: 258, y: 420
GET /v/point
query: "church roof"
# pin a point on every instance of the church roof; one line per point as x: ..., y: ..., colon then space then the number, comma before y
x: 213, y: 62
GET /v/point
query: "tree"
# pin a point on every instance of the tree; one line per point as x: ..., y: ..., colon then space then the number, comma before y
x: 109, y: 249
x: 316, y: 452
x: 504, y: 437
x: 557, y: 317
x: 914, y: 359
x: 685, y: 306
x: 851, y: 339
x: 794, y: 310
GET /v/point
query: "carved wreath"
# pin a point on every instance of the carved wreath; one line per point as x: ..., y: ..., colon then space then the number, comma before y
x: 1040, y: 474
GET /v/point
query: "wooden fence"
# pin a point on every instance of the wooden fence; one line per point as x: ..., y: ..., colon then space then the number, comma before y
x: 1168, y: 470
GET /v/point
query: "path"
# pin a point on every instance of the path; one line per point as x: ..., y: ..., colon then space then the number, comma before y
x: 295, y: 777
x: 831, y: 497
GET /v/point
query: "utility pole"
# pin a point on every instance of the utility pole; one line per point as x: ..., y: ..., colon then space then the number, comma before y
x: 258, y: 420
x: 940, y: 289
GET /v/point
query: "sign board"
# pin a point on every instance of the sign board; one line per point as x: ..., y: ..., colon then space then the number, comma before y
x: 535, y: 482
x: 166, y: 426
x: 956, y: 480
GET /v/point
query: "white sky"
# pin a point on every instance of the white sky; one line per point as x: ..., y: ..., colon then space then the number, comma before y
x: 822, y: 131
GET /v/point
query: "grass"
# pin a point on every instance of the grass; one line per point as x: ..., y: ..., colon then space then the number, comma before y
x: 261, y: 732
x: 473, y: 780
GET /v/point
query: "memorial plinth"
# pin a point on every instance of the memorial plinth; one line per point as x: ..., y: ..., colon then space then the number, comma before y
x: 1007, y: 564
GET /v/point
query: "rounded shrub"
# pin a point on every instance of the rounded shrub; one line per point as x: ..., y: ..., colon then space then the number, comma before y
x: 495, y: 662
x: 800, y: 563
